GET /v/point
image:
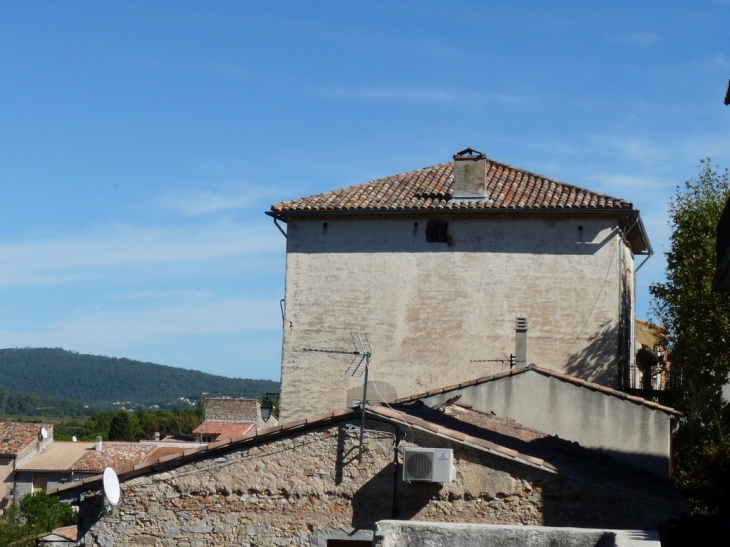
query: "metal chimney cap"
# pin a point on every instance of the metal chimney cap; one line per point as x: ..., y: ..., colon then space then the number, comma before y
x: 470, y: 153
x: 521, y: 322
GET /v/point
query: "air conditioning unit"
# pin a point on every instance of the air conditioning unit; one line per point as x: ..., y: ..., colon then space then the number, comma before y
x: 428, y: 465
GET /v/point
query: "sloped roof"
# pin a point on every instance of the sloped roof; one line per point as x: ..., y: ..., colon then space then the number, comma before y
x: 116, y: 456
x: 430, y: 188
x: 15, y: 436
x: 69, y: 533
x: 83, y: 458
x: 224, y: 430
x: 498, y: 436
x: 545, y: 372
x: 508, y: 439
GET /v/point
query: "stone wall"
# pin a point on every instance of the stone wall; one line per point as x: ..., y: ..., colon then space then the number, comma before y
x: 309, y: 487
x: 232, y: 410
x: 438, y: 314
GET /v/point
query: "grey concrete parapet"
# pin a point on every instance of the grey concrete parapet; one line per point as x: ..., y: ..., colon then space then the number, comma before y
x: 392, y: 533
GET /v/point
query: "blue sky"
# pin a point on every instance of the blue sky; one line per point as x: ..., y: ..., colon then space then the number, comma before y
x: 142, y: 141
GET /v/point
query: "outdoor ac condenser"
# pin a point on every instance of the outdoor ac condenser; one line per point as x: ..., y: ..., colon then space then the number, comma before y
x: 428, y: 465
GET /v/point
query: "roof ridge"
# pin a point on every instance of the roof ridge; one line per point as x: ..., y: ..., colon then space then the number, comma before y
x: 509, y: 453
x: 429, y: 188
x: 548, y: 372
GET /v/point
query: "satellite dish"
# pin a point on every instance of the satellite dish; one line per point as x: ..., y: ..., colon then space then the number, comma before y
x: 74, y: 439
x: 44, y: 433
x: 111, y: 486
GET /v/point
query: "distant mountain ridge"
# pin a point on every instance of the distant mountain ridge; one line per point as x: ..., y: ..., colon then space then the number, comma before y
x: 94, y: 379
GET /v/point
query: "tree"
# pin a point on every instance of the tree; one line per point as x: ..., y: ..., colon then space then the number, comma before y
x: 33, y: 515
x: 122, y: 428
x: 698, y: 321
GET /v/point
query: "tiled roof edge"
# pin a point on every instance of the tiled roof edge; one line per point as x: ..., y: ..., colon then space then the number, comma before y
x: 186, y: 455
x: 546, y: 372
x: 278, y: 207
x: 510, y: 454
x: 607, y: 390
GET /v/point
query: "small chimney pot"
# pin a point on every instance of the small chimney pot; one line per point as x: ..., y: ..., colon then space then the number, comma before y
x: 470, y: 175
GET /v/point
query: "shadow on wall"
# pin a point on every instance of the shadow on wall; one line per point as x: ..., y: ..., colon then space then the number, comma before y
x: 598, y: 360
x: 377, y: 391
x: 500, y: 235
x: 375, y: 500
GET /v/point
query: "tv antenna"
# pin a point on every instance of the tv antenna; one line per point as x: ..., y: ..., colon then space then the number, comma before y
x: 362, y: 354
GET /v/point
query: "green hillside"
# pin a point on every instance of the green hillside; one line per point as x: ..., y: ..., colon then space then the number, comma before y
x: 93, y: 379
x: 29, y: 404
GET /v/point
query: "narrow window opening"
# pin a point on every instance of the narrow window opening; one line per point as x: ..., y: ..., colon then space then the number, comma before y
x: 437, y: 231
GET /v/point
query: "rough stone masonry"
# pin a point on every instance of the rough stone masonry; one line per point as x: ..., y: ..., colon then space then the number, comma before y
x: 308, y: 487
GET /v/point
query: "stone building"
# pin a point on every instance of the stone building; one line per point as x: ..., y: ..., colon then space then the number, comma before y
x: 64, y: 462
x: 436, y: 264
x: 227, y: 417
x: 302, y: 483
x: 18, y: 443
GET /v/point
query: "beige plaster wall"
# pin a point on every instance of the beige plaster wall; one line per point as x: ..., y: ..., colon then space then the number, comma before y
x: 7, y: 466
x: 633, y: 433
x: 438, y: 314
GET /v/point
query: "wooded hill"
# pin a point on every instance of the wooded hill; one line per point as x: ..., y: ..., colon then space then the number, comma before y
x: 98, y: 380
x: 29, y: 404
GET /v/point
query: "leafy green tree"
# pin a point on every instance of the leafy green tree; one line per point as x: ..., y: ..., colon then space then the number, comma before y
x: 698, y: 321
x: 122, y: 427
x: 33, y: 515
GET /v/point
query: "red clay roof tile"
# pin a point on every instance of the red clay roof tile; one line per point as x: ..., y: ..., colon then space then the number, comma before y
x: 430, y: 188
x: 15, y: 436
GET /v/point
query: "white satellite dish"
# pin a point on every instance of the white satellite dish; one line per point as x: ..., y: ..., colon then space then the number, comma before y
x: 44, y: 433
x: 111, y: 486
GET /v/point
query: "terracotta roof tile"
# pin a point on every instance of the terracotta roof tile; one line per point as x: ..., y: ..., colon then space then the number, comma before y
x: 223, y: 430
x: 59, y: 456
x: 15, y: 436
x: 117, y: 456
x: 430, y: 188
x: 460, y: 424
x: 82, y: 458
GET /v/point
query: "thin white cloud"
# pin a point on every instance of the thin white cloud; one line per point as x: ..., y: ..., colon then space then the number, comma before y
x: 159, y: 294
x: 110, y: 251
x: 421, y: 95
x: 643, y: 150
x: 100, y: 331
x: 718, y: 61
x: 643, y: 39
x: 607, y: 182
x: 222, y: 197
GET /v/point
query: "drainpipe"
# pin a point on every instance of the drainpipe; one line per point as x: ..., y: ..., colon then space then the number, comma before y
x: 280, y: 228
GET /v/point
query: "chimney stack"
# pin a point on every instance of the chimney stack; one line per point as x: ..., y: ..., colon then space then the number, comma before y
x: 521, y: 341
x: 97, y: 445
x: 470, y: 175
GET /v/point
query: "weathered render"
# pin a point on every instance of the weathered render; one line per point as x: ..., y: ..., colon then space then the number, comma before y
x: 625, y: 427
x: 302, y: 484
x: 396, y: 533
x: 438, y: 301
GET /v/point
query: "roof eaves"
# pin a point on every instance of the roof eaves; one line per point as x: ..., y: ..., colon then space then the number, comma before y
x: 192, y: 454
x: 282, y: 214
x: 546, y: 372
x: 507, y: 453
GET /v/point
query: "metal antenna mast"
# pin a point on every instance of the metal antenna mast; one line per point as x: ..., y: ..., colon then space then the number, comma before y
x: 362, y: 353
